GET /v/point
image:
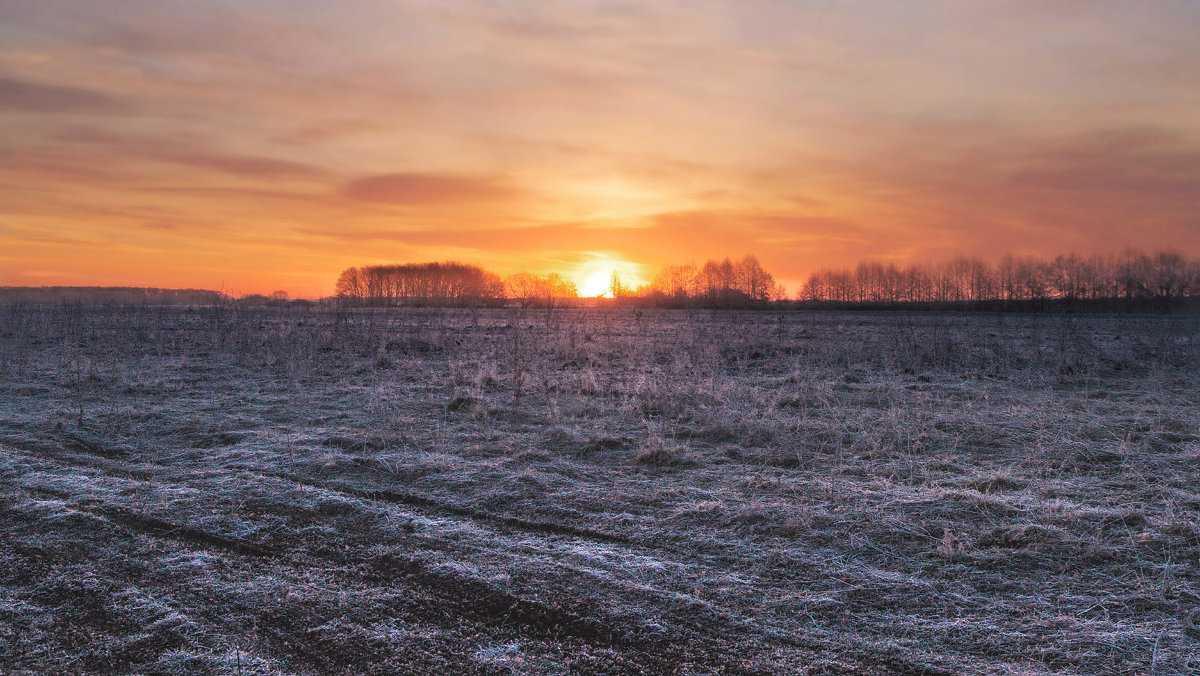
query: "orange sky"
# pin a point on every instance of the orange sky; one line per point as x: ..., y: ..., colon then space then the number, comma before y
x: 253, y: 146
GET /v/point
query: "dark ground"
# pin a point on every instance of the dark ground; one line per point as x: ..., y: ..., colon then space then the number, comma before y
x: 302, y: 491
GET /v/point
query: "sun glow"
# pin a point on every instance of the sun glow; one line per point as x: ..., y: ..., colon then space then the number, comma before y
x: 594, y: 277
x: 596, y: 284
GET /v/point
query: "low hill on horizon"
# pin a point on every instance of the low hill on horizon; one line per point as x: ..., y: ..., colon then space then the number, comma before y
x: 99, y: 295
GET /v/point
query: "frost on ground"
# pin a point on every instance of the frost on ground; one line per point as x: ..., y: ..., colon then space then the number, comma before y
x: 310, y: 491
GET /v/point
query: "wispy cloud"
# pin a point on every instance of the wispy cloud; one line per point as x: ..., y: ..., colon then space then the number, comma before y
x: 241, y: 165
x: 426, y: 189
x: 42, y: 98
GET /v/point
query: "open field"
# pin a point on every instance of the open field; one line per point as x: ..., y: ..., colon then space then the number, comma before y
x: 303, y: 491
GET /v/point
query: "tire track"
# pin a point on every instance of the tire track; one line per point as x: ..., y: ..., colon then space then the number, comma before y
x: 413, y: 500
x: 103, y: 462
x: 278, y: 647
x: 473, y: 598
x: 90, y: 459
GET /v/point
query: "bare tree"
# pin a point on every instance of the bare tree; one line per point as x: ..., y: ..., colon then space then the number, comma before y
x: 531, y: 290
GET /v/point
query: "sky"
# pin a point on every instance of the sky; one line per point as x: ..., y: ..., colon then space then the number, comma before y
x: 258, y: 145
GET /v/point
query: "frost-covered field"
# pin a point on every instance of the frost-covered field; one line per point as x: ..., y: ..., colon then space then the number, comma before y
x: 301, y: 491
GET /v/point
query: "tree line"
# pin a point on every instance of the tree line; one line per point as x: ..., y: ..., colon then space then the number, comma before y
x: 1132, y: 278
x: 530, y: 290
x: 716, y: 283
x: 725, y: 283
x: 449, y: 284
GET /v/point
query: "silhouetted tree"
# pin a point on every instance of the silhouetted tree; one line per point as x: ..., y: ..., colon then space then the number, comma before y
x: 531, y: 290
x: 724, y: 283
x: 675, y: 282
x: 449, y: 283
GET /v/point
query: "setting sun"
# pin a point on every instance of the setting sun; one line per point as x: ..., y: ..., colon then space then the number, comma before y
x: 594, y: 277
x: 596, y: 284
